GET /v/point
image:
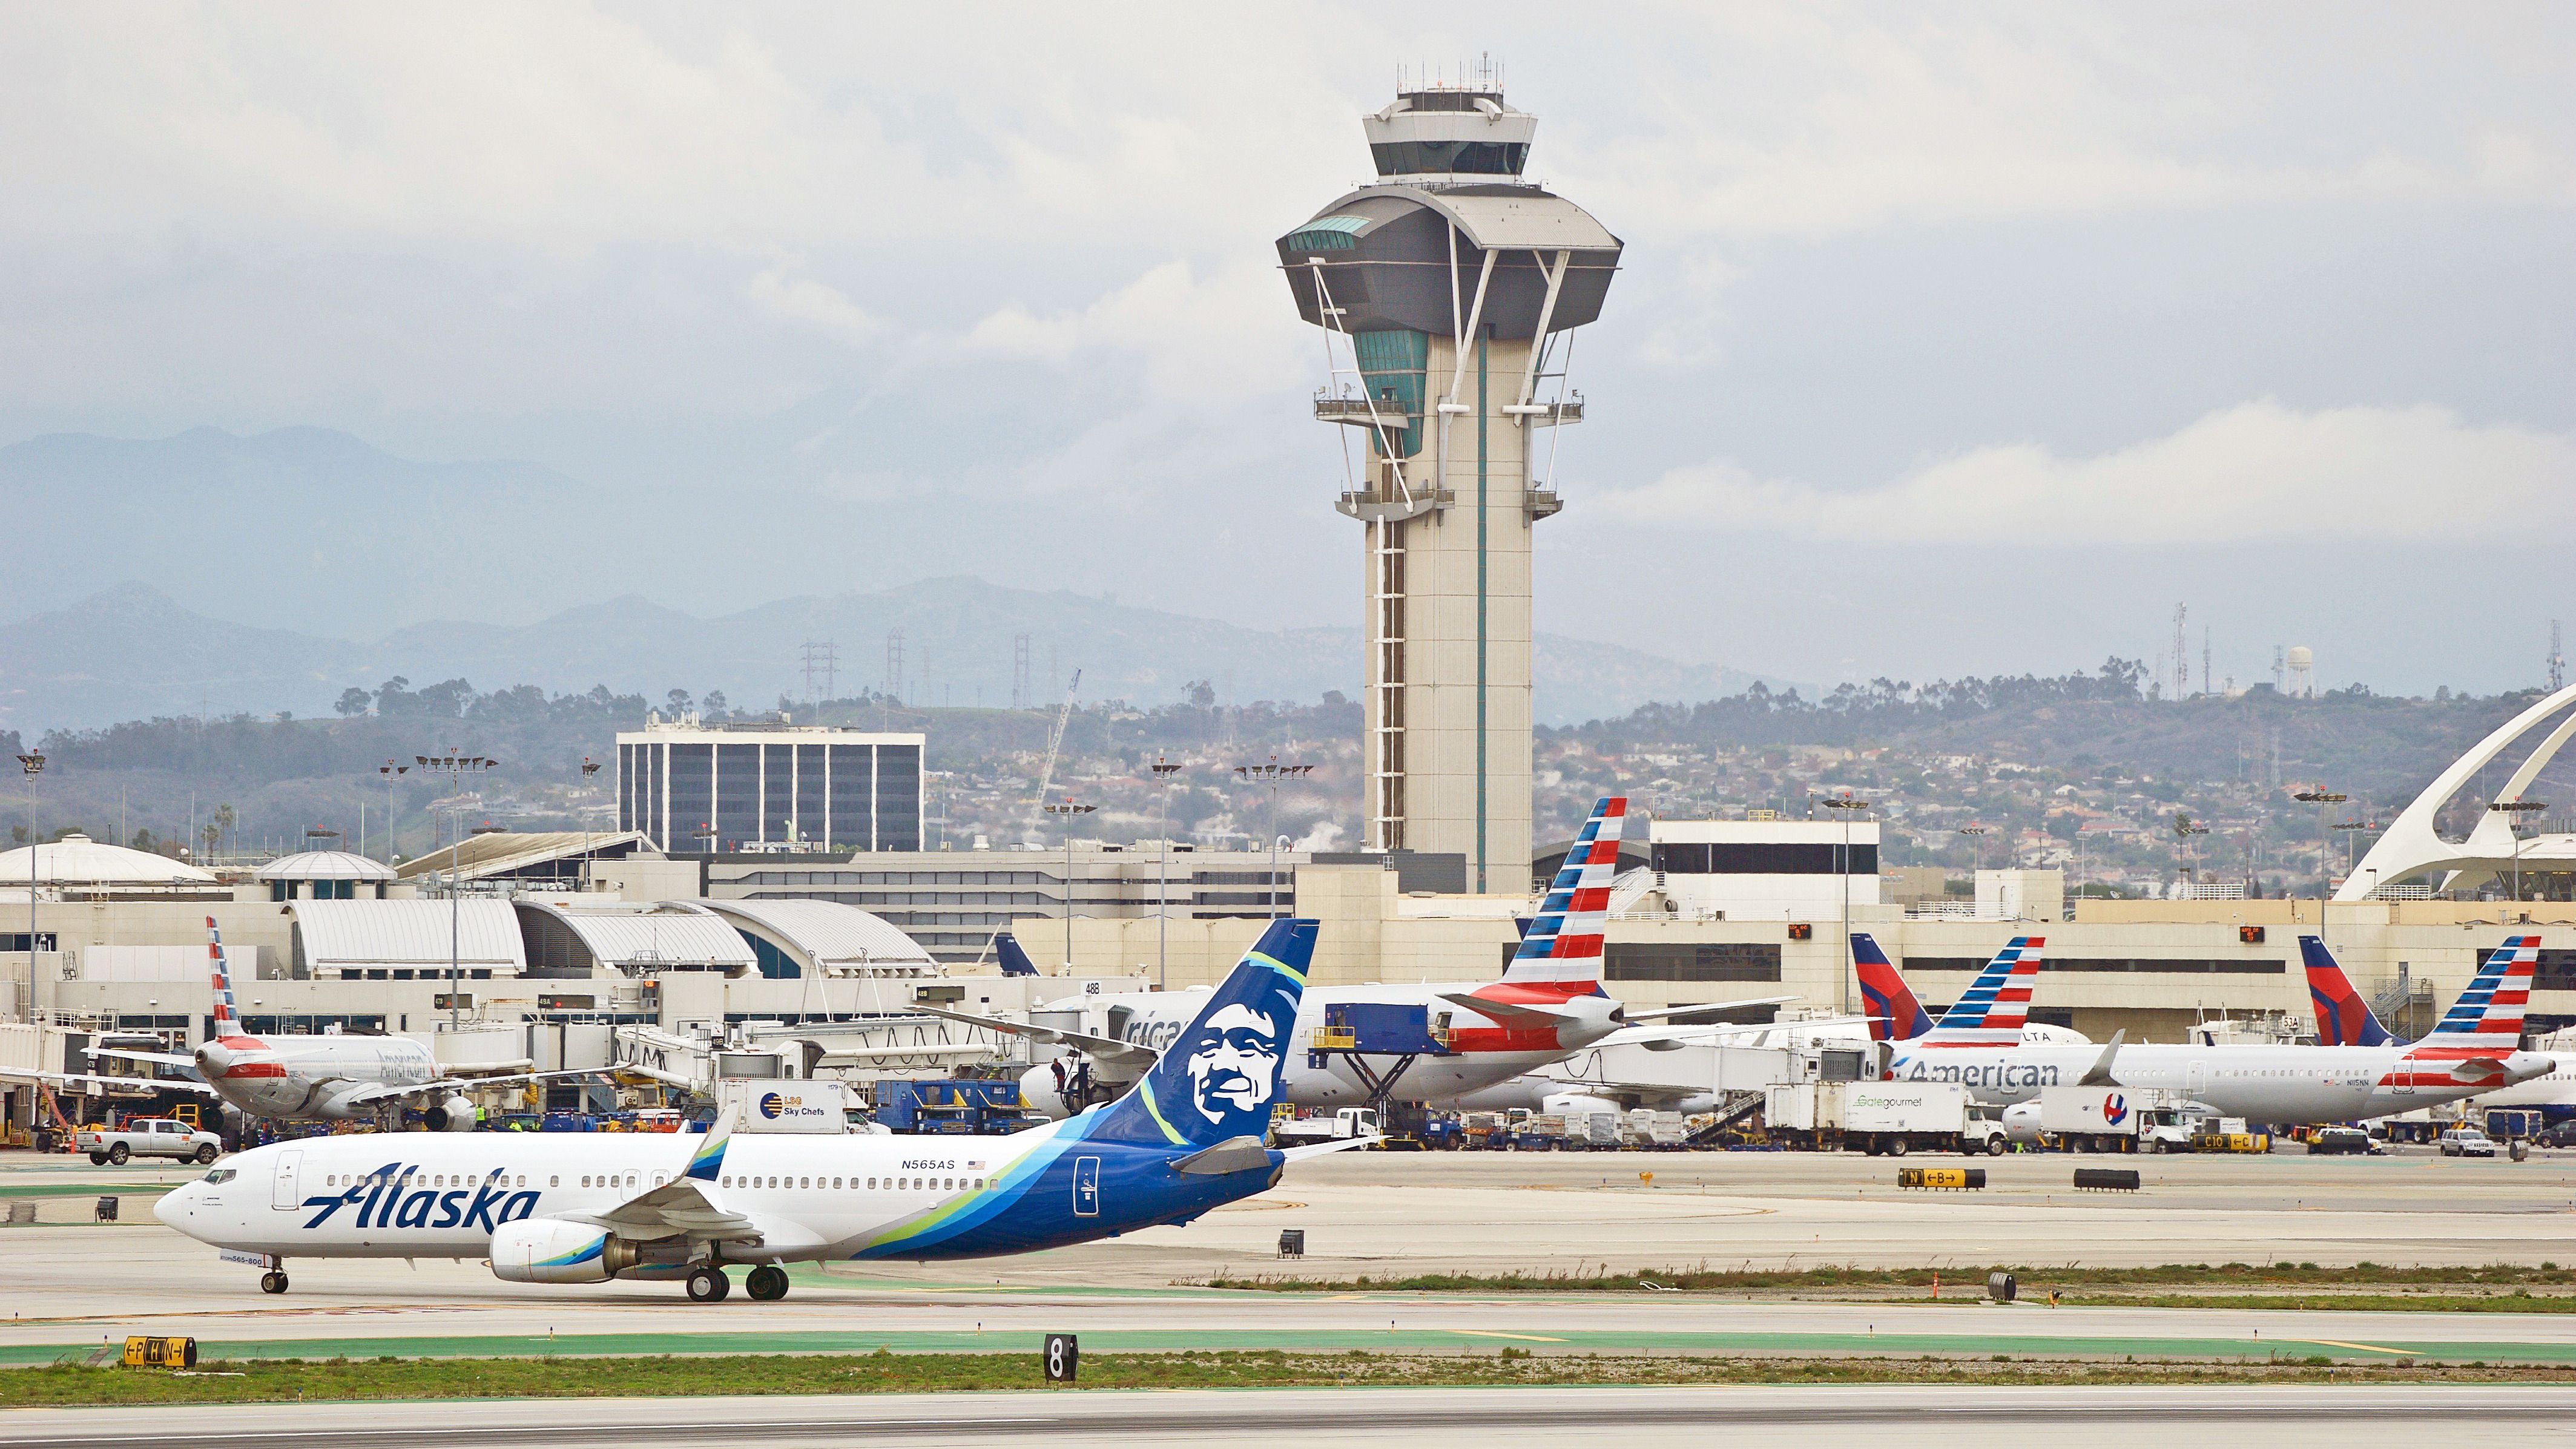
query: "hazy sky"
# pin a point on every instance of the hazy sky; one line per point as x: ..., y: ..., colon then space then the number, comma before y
x: 1965, y: 341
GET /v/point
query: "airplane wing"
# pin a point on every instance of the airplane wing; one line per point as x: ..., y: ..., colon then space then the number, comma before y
x: 1323, y: 1149
x: 1677, y: 1015
x: 1109, y: 1050
x: 161, y: 1059
x: 369, y: 1096
x: 675, y: 1209
x: 1644, y: 1092
x: 76, y: 1079
x: 1509, y: 1013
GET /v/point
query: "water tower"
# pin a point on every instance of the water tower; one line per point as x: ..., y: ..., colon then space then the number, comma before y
x: 1449, y: 290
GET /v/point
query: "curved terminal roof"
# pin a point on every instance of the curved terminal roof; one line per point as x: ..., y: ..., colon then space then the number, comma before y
x: 341, y: 935
x: 640, y: 939
x: 827, y: 936
x: 326, y: 865
x: 78, y: 860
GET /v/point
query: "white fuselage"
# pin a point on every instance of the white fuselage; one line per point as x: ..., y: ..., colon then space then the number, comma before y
x: 2272, y: 1084
x: 1484, y: 1050
x: 309, y: 1078
x: 436, y: 1195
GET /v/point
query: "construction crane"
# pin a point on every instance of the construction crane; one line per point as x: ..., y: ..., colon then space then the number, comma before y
x: 1055, y: 737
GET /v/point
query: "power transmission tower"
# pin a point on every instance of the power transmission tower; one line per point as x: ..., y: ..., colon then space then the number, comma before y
x: 1020, y: 696
x: 2181, y: 654
x: 822, y: 657
x: 2557, y: 660
x: 2204, y: 659
x: 2280, y: 672
x: 894, y: 665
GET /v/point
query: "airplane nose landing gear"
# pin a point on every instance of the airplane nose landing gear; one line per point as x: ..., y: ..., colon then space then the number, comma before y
x: 767, y: 1283
x: 709, y: 1285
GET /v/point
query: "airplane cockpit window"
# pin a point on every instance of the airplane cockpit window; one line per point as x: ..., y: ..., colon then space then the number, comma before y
x: 223, y: 1174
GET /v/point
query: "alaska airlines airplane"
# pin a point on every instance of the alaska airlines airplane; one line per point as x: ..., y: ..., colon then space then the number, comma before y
x: 2476, y: 1048
x: 1548, y: 1003
x: 2344, y: 1019
x: 586, y: 1208
x: 308, y: 1078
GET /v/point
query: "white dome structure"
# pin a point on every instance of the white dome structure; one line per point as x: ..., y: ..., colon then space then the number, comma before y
x: 80, y: 862
x: 325, y: 875
x: 325, y: 865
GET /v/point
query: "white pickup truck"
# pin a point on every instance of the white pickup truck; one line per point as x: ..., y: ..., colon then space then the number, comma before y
x: 1342, y: 1126
x: 148, y: 1137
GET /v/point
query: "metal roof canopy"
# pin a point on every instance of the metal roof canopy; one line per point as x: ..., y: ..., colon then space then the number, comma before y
x: 638, y: 938
x: 829, y: 936
x: 337, y: 935
x: 481, y: 857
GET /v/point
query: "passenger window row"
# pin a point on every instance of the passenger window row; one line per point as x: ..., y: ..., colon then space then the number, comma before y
x: 835, y: 1184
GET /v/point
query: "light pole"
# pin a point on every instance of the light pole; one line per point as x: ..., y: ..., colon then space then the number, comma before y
x: 33, y: 762
x: 1164, y: 770
x: 1271, y: 774
x: 391, y: 772
x: 2511, y: 810
x: 2323, y: 797
x: 1843, y: 805
x: 1976, y: 847
x: 1070, y: 813
x: 589, y: 767
x: 2183, y: 831
x: 456, y: 769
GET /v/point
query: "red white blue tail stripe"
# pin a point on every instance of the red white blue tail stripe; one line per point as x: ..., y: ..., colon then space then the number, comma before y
x: 1564, y: 943
x: 2481, y: 1029
x: 226, y: 1022
x: 1992, y: 1011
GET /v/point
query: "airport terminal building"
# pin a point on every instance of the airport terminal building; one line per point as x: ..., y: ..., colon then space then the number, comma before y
x: 690, y: 787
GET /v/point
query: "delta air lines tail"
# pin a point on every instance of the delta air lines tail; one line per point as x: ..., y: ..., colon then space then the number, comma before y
x: 1894, y: 1014
x: 2343, y: 1018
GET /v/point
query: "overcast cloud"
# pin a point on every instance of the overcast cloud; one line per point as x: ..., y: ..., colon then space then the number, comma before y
x: 1964, y: 342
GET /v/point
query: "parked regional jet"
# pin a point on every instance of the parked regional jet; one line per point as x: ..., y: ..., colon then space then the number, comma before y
x: 583, y: 1209
x: 2344, y: 1019
x: 302, y: 1078
x: 2474, y: 1049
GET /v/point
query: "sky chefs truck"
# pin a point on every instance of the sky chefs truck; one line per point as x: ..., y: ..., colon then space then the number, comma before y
x: 1893, y: 1118
x: 2109, y: 1118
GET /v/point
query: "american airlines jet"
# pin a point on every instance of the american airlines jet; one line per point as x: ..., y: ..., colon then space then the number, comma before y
x: 2344, y: 1019
x: 2476, y: 1048
x: 1548, y: 1003
x: 1188, y: 1137
x: 302, y: 1078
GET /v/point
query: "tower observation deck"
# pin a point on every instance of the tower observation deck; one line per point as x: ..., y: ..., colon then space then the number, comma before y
x: 1449, y: 291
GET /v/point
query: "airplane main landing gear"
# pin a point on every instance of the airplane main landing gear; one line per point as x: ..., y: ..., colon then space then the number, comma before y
x: 767, y: 1283
x: 272, y: 1281
x: 709, y: 1285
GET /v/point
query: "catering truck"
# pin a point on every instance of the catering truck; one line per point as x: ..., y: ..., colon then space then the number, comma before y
x: 1893, y: 1118
x: 2108, y: 1119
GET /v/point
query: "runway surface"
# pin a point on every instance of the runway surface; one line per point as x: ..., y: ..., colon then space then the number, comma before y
x: 74, y: 1285
x: 2283, y: 1416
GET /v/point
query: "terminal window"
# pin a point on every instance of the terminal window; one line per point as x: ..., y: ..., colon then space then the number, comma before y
x: 1763, y: 858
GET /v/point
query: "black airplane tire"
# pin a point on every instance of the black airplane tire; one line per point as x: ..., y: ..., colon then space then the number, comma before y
x: 767, y: 1283
x: 119, y: 1154
x: 272, y: 1281
x: 709, y: 1285
x: 205, y: 1154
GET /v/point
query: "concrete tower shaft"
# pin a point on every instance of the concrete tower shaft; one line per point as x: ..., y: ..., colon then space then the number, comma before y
x: 1448, y: 298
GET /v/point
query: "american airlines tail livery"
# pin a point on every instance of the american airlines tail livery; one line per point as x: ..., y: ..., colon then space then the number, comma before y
x: 2475, y: 1049
x: 565, y: 1208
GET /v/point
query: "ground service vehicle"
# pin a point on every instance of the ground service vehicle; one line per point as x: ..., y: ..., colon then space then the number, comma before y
x: 148, y: 1137
x: 2337, y: 1141
x: 2467, y: 1142
x: 1344, y: 1125
x: 1893, y: 1118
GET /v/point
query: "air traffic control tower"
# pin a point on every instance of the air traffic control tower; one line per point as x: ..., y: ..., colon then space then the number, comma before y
x: 1449, y: 291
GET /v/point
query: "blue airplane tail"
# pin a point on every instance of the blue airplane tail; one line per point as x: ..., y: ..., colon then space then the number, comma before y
x: 1220, y: 1076
x: 1015, y: 961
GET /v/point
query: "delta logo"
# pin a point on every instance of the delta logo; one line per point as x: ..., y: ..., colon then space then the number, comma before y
x: 2115, y: 1109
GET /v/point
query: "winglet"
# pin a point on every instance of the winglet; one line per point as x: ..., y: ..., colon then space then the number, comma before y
x: 708, y: 1160
x: 2099, y: 1074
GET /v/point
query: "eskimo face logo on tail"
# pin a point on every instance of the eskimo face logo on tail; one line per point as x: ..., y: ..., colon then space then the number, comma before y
x: 1233, y: 1067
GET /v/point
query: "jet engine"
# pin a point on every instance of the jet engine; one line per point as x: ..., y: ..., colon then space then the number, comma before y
x: 1557, y: 1104
x: 1038, y: 1094
x: 550, y: 1250
x: 2021, y: 1123
x: 456, y: 1114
